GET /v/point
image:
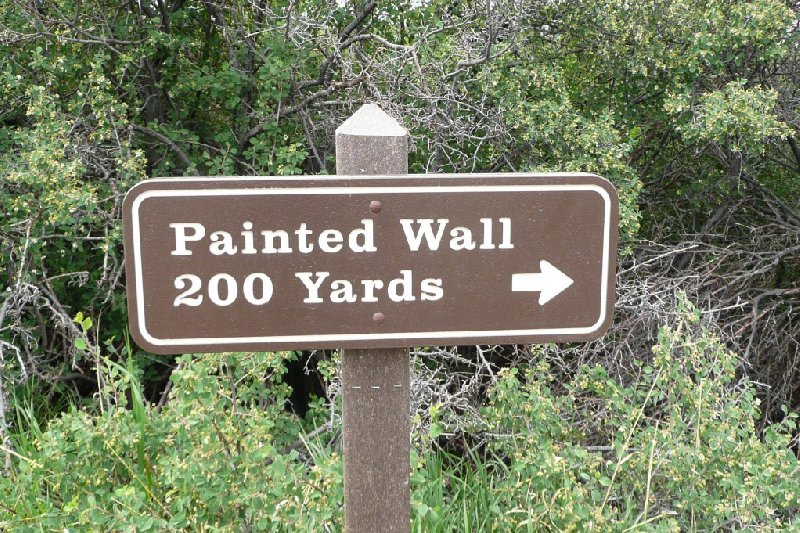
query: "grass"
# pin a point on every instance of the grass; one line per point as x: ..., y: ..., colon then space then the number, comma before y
x: 451, y: 493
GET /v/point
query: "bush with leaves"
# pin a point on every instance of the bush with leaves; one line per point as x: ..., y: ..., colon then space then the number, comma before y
x: 223, y: 452
x: 684, y: 106
x: 674, y: 449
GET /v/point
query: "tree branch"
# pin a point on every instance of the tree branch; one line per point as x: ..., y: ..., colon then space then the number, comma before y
x: 795, y: 150
x: 170, y: 143
x: 356, y: 22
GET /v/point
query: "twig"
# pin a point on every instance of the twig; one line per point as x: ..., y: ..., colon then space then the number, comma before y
x: 170, y: 143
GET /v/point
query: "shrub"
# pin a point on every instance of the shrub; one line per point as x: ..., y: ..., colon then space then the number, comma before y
x: 221, y: 454
x: 674, y: 449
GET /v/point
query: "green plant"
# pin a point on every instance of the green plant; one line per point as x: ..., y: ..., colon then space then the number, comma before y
x: 222, y: 453
x: 675, y: 449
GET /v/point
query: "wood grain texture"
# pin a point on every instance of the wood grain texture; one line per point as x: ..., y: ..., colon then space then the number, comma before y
x: 375, y: 382
x: 376, y: 439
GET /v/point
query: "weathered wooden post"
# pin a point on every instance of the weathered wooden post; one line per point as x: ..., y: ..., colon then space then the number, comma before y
x: 375, y: 382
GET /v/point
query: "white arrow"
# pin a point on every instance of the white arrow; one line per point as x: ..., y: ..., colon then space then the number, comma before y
x: 549, y: 283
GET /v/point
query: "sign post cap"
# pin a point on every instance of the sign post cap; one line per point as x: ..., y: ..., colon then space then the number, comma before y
x: 371, y: 121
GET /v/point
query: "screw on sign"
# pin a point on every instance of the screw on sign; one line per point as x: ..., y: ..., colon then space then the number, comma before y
x: 373, y: 264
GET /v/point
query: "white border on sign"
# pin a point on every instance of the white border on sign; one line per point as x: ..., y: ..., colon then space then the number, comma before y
x: 455, y: 335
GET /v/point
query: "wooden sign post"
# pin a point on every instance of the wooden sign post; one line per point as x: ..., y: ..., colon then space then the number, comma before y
x: 372, y: 261
x: 375, y: 382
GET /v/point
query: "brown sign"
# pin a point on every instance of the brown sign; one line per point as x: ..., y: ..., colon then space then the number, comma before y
x: 231, y: 264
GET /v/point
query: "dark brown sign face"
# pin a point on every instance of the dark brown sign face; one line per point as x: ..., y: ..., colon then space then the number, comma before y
x: 231, y: 264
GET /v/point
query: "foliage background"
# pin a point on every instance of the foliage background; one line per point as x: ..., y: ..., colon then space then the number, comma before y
x: 690, y: 108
